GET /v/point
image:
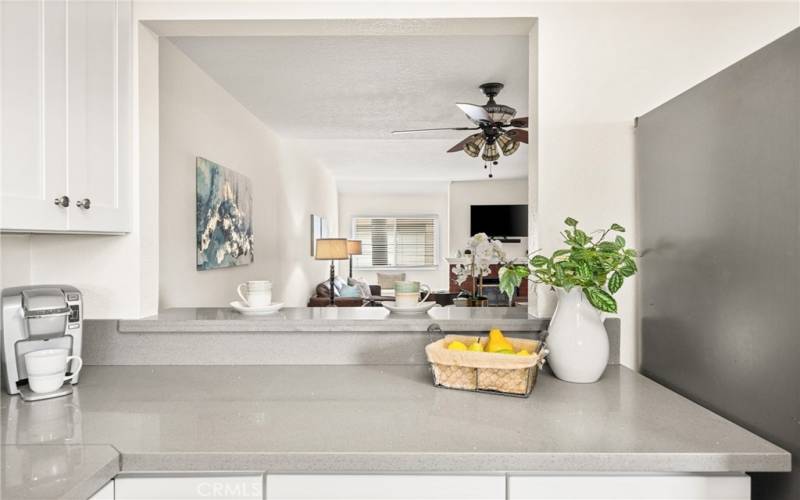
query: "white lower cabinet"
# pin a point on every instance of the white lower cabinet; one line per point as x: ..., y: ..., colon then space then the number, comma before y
x: 190, y: 487
x: 428, y: 487
x: 105, y: 493
x: 388, y: 487
x: 630, y: 487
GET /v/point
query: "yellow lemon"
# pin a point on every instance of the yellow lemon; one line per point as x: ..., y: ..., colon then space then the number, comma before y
x: 497, y: 342
x: 505, y: 351
x: 476, y: 347
x: 523, y: 353
x: 457, y: 346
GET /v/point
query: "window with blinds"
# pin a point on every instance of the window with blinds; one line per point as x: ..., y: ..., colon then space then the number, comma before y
x: 396, y: 242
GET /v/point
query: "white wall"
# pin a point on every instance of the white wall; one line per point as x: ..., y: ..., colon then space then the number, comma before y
x: 486, y: 192
x: 358, y: 204
x: 303, y: 188
x: 15, y: 260
x: 600, y: 64
x: 199, y: 118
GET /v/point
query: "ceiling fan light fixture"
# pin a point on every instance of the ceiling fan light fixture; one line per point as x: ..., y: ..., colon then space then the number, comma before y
x: 514, y: 146
x: 490, y: 153
x: 473, y: 147
x: 500, y: 113
x: 507, y: 145
x: 498, y: 131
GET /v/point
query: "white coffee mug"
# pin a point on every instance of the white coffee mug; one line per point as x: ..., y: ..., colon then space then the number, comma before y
x: 407, y: 293
x: 255, y: 293
x: 47, y: 369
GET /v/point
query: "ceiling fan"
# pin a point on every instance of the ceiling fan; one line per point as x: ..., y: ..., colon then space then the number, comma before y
x: 498, y: 129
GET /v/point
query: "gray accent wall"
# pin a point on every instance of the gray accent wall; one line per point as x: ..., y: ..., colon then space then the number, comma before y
x: 105, y: 344
x: 719, y: 212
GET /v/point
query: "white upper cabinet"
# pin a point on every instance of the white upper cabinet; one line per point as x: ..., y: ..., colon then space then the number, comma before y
x: 33, y: 102
x: 66, y: 116
x: 98, y: 42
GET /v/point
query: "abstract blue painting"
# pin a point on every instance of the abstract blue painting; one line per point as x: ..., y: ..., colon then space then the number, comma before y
x: 224, y: 217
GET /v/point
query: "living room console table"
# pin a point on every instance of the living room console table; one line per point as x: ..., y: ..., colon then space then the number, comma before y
x: 491, y: 286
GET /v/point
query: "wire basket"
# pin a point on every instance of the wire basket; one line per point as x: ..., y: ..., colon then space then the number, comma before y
x: 494, y: 373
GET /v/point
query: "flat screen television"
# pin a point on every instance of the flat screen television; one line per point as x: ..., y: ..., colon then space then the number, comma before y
x: 502, y: 222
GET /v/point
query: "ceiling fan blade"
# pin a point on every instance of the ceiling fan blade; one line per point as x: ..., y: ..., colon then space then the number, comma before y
x: 475, y: 113
x: 460, y: 145
x: 432, y: 129
x: 518, y: 135
x: 519, y: 122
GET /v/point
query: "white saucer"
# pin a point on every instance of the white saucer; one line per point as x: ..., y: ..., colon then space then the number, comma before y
x: 258, y: 310
x: 419, y: 308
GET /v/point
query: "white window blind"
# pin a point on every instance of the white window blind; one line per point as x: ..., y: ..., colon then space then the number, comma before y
x: 396, y: 242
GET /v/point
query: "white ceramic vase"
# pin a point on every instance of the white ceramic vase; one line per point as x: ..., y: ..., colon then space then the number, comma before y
x: 577, y: 339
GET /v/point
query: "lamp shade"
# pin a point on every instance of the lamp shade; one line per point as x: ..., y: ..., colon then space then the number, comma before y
x: 474, y: 145
x: 331, y: 249
x: 490, y: 153
x: 507, y: 145
x: 354, y: 247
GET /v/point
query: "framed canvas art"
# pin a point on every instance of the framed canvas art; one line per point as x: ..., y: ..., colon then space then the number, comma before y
x: 224, y: 217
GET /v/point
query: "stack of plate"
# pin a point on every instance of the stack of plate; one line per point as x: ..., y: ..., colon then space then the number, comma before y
x: 422, y: 307
x: 256, y: 310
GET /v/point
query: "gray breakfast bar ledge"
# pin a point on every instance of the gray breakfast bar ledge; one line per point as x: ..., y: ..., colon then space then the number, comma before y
x: 335, y: 319
x: 261, y: 398
x: 328, y: 335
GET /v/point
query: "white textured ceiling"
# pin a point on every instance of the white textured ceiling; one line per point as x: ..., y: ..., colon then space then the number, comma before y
x: 339, y: 97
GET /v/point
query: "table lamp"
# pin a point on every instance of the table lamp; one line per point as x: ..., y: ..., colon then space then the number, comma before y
x: 331, y: 249
x: 353, y: 248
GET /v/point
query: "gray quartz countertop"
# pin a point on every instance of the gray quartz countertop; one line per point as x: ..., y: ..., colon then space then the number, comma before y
x: 332, y: 319
x: 379, y: 418
x: 44, y: 472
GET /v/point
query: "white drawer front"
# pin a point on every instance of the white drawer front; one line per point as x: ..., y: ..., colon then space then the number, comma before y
x: 105, y: 493
x: 220, y: 487
x: 630, y: 487
x: 380, y: 487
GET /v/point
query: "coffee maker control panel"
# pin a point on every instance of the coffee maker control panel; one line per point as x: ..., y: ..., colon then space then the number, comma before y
x: 74, y: 303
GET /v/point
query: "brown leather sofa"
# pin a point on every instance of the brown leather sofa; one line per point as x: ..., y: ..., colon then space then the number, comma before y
x: 322, y: 298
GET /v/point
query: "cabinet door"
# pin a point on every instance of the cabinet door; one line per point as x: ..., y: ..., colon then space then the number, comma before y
x: 380, y: 487
x: 33, y: 102
x: 99, y: 100
x: 630, y: 487
x: 105, y: 493
x: 189, y: 487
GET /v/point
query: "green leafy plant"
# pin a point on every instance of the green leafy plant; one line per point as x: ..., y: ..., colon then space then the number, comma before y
x: 597, y: 265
